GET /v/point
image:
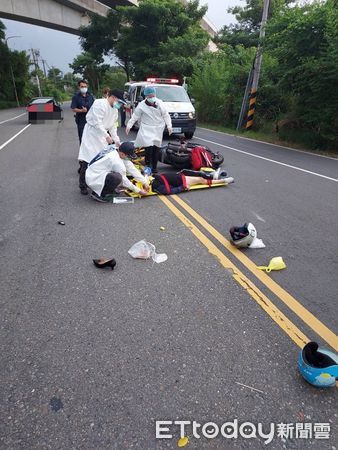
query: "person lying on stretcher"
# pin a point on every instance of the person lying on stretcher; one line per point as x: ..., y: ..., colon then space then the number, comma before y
x: 173, y: 183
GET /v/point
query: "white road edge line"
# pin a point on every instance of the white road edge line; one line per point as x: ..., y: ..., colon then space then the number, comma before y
x: 13, y: 137
x: 8, y: 120
x: 270, y: 143
x: 268, y: 159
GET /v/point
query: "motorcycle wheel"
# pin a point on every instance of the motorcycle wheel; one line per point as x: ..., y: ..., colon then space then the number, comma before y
x: 180, y: 160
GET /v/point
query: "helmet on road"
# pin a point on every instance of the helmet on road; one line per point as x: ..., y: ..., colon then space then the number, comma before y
x: 244, y: 235
x: 318, y: 366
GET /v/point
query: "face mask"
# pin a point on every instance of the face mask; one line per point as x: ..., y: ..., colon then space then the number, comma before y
x: 117, y: 105
x: 83, y: 90
x: 151, y: 99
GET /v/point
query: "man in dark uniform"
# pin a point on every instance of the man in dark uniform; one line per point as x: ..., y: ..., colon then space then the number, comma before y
x: 81, y: 103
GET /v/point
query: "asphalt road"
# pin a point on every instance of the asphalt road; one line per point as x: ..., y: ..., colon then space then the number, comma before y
x: 90, y: 358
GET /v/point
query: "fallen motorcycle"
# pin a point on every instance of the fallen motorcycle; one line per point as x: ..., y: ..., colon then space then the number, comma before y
x: 180, y: 155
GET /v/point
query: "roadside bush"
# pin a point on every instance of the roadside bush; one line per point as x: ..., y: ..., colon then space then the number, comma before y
x: 288, y: 132
x: 218, y: 84
x: 5, y: 104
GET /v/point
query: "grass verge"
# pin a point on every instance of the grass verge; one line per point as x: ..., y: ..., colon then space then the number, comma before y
x: 266, y: 136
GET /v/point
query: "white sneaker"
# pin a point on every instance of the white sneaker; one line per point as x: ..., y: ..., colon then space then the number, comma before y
x: 228, y: 180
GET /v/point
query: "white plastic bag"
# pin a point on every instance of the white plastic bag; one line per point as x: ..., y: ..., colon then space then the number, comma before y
x: 159, y: 257
x: 142, y: 250
x: 257, y: 243
x: 146, y: 250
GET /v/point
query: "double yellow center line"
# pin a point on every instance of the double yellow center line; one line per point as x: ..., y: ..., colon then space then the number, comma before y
x: 285, y: 324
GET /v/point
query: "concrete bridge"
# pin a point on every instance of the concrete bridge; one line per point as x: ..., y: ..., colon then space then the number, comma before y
x: 66, y: 15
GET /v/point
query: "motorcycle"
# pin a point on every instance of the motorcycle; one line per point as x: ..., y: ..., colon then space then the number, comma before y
x: 178, y: 155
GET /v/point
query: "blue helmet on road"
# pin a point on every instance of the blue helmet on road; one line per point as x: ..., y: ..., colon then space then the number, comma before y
x: 318, y: 366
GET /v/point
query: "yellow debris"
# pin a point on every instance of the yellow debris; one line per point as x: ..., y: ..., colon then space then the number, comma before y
x: 183, y: 441
x: 276, y: 263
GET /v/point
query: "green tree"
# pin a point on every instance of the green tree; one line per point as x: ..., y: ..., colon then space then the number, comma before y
x: 6, y: 91
x: 69, y: 82
x: 248, y: 19
x: 114, y: 78
x: 2, y: 31
x: 54, y: 74
x: 91, y: 69
x: 20, y: 64
x: 13, y: 64
x: 304, y: 41
x: 218, y: 84
x: 160, y: 37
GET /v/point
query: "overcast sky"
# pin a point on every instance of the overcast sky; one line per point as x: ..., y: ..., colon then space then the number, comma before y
x: 59, y: 49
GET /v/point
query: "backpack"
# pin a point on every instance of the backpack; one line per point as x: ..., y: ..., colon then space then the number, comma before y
x: 200, y: 157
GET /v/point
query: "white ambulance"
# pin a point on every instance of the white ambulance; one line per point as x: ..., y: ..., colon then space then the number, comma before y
x: 175, y: 98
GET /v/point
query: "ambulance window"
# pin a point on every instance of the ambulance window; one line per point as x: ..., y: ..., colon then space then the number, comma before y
x: 139, y: 92
x: 130, y: 93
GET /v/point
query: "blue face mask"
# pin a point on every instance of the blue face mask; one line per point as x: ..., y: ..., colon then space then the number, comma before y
x: 117, y: 105
x: 151, y: 99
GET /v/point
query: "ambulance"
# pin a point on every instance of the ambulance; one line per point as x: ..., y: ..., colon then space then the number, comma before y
x: 175, y: 98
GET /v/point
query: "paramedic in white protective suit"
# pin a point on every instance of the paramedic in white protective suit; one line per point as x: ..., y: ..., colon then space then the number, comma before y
x: 99, y: 131
x: 107, y: 172
x: 152, y: 117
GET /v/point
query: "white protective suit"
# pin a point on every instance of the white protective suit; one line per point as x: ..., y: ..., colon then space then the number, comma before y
x: 101, y: 118
x: 111, y: 162
x: 151, y: 123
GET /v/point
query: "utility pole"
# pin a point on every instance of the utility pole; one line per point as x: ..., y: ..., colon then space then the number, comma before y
x: 35, y: 55
x: 257, y: 68
x: 245, y: 99
x: 11, y: 68
x: 44, y: 67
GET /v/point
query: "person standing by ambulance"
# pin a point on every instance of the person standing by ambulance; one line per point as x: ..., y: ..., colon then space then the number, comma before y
x: 152, y: 118
x: 81, y: 104
x: 99, y: 131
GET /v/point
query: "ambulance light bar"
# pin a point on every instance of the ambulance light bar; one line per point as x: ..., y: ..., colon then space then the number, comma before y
x: 163, y: 80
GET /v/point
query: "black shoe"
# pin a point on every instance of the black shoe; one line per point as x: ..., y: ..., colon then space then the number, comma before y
x: 97, y: 197
x: 84, y: 191
x: 110, y: 197
x: 104, y: 262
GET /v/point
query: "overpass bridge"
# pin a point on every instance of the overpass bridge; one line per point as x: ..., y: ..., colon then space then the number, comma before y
x: 66, y: 15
